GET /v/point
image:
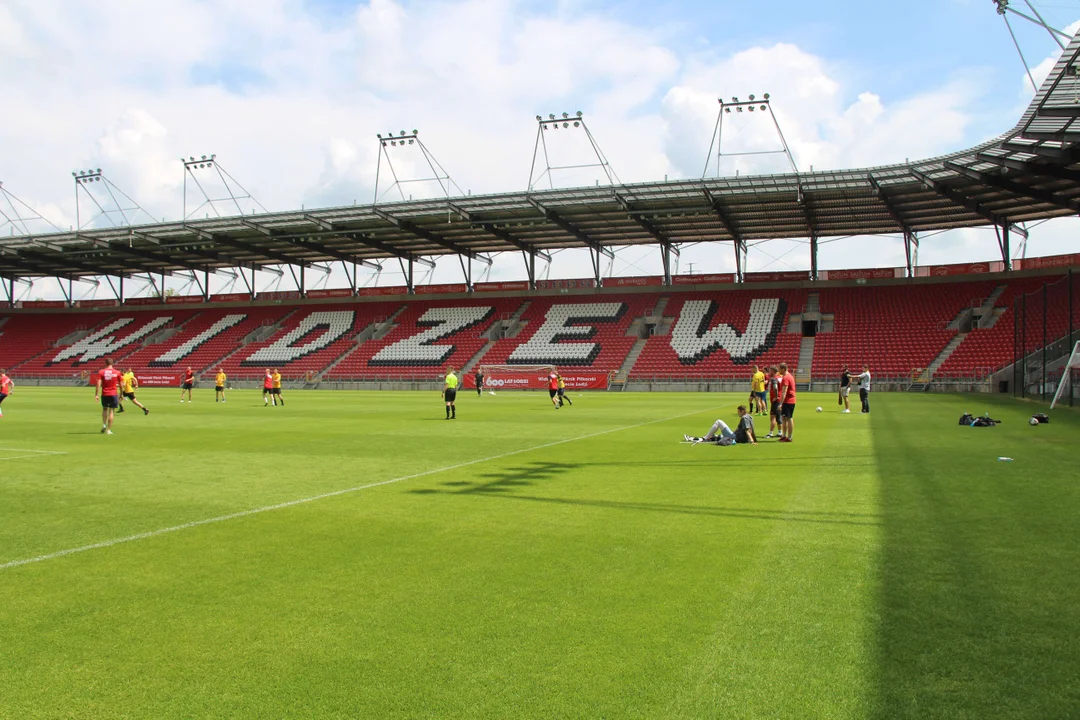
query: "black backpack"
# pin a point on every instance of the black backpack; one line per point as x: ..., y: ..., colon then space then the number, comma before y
x: 966, y: 419
x: 1043, y: 418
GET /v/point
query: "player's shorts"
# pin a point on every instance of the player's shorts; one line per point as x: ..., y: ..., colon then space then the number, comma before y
x: 552, y: 393
x: 2, y: 397
x: 187, y: 386
x: 787, y: 410
x: 774, y: 409
x: 561, y: 391
x: 266, y: 391
x: 129, y: 396
x: 219, y: 388
x: 845, y: 390
x: 763, y: 396
x: 110, y: 402
x: 275, y: 391
x: 450, y: 395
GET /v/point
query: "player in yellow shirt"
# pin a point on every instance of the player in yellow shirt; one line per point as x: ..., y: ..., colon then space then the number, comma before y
x: 758, y: 394
x: 128, y: 385
x: 275, y: 388
x: 562, y: 389
x: 219, y: 385
x: 449, y: 393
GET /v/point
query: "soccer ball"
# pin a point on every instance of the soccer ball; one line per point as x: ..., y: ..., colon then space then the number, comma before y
x: 818, y: 410
x: 1033, y: 421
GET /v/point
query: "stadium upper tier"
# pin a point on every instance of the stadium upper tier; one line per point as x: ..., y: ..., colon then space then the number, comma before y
x: 1029, y: 173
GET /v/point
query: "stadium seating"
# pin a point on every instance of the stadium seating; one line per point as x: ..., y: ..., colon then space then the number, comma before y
x: 581, y: 333
x: 893, y: 329
x: 308, y: 341
x: 428, y: 336
x: 704, y: 335
x: 721, y: 335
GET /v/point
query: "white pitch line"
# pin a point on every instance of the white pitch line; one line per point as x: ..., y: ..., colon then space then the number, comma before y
x: 33, y: 453
x: 323, y: 496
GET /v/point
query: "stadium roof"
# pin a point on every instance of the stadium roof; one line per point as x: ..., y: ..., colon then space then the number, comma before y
x: 1030, y: 173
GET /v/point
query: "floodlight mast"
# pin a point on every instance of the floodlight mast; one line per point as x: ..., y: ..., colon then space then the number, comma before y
x: 568, y: 122
x: 234, y: 191
x: 753, y: 104
x: 16, y: 214
x: 1004, y: 9
x: 403, y: 139
x: 114, y: 206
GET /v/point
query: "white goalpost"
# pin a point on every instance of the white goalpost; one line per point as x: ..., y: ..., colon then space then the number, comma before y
x: 1066, y: 375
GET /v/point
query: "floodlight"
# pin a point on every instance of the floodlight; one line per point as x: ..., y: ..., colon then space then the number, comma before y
x: 751, y: 98
x: 74, y: 175
x: 203, y: 157
x: 192, y: 159
x: 99, y: 169
x: 415, y: 131
x: 751, y: 108
x: 538, y: 118
x: 734, y: 99
x: 566, y: 125
x: 739, y: 109
x: 766, y: 96
x: 378, y: 135
x: 565, y: 115
x: 579, y: 113
x: 576, y: 123
x: 411, y: 141
x: 551, y: 116
x: 727, y: 110
x: 402, y: 132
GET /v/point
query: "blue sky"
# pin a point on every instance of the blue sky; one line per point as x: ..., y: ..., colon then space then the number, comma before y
x: 289, y: 94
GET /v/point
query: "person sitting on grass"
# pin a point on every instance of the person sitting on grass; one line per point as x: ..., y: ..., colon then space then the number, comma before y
x: 721, y: 434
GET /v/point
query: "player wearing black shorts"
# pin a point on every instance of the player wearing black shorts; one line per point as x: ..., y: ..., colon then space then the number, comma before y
x: 479, y: 378
x: 186, y: 384
x: 562, y: 389
x: 449, y: 393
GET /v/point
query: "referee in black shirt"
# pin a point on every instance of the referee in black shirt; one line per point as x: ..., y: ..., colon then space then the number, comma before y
x: 479, y: 377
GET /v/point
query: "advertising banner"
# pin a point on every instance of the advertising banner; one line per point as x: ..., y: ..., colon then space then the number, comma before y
x: 789, y: 276
x: 42, y: 304
x: 183, y: 299
x: 147, y: 380
x: 441, y: 289
x: 330, y: 293
x: 722, y: 279
x: 639, y: 281
x: 960, y: 269
x: 387, y: 290
x: 515, y: 286
x: 143, y: 301
x: 866, y: 274
x: 571, y: 284
x: 96, y: 303
x: 507, y: 380
x: 231, y: 297
x: 279, y: 295
x: 1052, y: 261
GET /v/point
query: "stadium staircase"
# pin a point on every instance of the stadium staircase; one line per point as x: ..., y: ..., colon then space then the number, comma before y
x: 806, y: 362
x: 376, y: 330
x: 643, y: 329
x: 619, y: 381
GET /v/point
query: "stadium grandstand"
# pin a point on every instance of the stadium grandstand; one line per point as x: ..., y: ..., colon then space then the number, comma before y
x: 959, y: 326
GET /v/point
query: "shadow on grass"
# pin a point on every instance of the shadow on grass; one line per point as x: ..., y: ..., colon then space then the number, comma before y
x: 978, y: 618
x: 504, y: 484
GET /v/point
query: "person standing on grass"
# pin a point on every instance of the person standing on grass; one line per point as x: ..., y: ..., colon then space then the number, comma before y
x: 107, y: 390
x: 219, y: 385
x: 479, y: 378
x: 187, y: 383
x: 845, y: 389
x: 562, y: 389
x: 757, y: 391
x: 449, y: 393
x: 129, y: 384
x: 864, y: 388
x: 275, y: 388
x: 553, y: 389
x: 775, y: 420
x: 787, y: 404
x: 6, y: 386
x: 268, y: 385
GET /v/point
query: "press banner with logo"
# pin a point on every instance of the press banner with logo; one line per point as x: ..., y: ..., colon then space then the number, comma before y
x: 330, y: 293
x: 722, y: 279
x: 536, y: 381
x: 148, y: 380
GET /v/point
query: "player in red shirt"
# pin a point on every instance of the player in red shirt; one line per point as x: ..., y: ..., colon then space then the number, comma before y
x: 188, y: 383
x: 268, y: 386
x: 5, y: 387
x: 787, y: 403
x: 553, y: 389
x: 108, y: 391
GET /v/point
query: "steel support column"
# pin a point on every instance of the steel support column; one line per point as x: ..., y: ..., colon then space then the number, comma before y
x: 466, y: 270
x: 530, y: 267
x: 665, y: 256
x: 911, y: 252
x: 813, y: 257
x: 594, y: 255
x: 1005, y: 251
x: 740, y: 260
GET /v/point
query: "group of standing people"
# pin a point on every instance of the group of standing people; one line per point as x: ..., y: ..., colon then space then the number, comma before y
x: 863, y: 379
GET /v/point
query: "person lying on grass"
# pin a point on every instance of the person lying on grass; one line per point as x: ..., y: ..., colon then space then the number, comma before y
x: 721, y: 434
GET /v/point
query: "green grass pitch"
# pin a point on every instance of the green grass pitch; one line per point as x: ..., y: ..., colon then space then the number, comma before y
x: 522, y: 562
